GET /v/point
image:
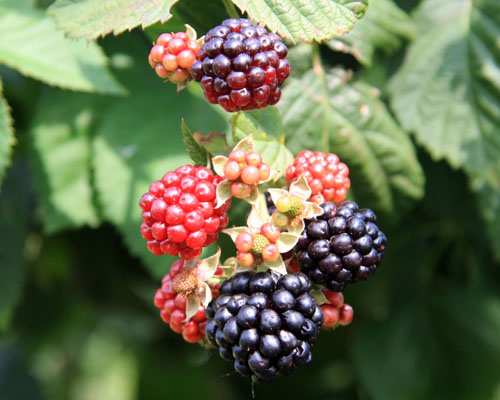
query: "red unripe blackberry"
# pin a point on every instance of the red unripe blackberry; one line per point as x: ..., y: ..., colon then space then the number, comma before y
x: 331, y: 316
x: 250, y: 175
x: 270, y: 232
x: 179, y: 214
x: 244, y: 242
x: 270, y: 253
x: 240, y: 190
x: 346, y: 315
x: 327, y: 177
x: 173, y: 55
x: 341, y: 246
x: 241, y: 66
x: 336, y: 299
x: 172, y: 307
x: 245, y: 258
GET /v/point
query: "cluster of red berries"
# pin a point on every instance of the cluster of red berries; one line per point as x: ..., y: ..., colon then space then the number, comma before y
x: 254, y: 248
x: 179, y: 212
x: 173, y: 55
x: 246, y: 170
x: 327, y: 177
x: 173, y: 308
x: 337, y: 312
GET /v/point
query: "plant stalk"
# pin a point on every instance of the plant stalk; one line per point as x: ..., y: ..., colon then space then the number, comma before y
x: 231, y: 9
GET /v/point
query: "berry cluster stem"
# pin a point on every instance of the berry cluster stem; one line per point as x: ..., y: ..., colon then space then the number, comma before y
x: 231, y: 9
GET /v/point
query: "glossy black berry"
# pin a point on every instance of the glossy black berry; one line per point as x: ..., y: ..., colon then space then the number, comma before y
x: 248, y: 316
x: 251, y: 61
x: 264, y: 323
x: 350, y: 251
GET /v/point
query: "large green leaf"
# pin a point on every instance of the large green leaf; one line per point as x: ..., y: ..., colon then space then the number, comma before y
x: 448, y: 89
x: 384, y: 26
x: 94, y: 18
x: 323, y: 111
x: 421, y: 351
x: 263, y: 124
x: 61, y: 137
x: 7, y: 139
x: 305, y: 19
x: 30, y: 43
x: 140, y: 140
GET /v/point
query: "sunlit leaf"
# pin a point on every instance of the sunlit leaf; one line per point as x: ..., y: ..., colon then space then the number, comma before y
x: 384, y: 27
x: 30, y: 43
x: 94, y: 18
x: 324, y: 111
x: 61, y: 136
x: 448, y: 89
x: 307, y: 19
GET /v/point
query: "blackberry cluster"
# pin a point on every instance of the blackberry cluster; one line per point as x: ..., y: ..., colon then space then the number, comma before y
x: 341, y: 246
x: 241, y: 66
x: 266, y: 323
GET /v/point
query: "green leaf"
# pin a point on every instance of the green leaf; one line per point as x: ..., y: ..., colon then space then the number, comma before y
x: 448, y: 89
x: 94, y: 18
x: 7, y: 139
x: 195, y: 151
x: 263, y: 124
x: 323, y: 111
x: 61, y: 137
x: 14, y: 209
x: 384, y: 26
x: 30, y: 43
x: 275, y: 154
x: 201, y: 15
x: 306, y: 19
x: 215, y: 142
x: 139, y: 141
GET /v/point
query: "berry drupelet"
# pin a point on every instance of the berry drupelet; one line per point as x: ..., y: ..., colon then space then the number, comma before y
x: 179, y: 214
x: 241, y: 66
x: 341, y: 246
x: 265, y: 323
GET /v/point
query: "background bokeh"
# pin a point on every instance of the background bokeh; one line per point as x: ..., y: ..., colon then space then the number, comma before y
x: 410, y: 100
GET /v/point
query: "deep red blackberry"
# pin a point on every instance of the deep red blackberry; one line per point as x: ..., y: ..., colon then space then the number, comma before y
x: 179, y: 214
x: 341, y: 246
x: 265, y: 323
x: 241, y: 66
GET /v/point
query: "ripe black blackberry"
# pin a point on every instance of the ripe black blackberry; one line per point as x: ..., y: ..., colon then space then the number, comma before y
x: 341, y: 246
x: 241, y: 66
x: 266, y: 323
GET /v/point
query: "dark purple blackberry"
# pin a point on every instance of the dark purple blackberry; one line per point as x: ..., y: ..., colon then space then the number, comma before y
x: 340, y: 247
x: 241, y: 66
x: 265, y: 323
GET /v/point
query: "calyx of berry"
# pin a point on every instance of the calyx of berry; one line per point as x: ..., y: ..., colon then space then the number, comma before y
x: 293, y: 205
x: 192, y: 282
x: 284, y: 243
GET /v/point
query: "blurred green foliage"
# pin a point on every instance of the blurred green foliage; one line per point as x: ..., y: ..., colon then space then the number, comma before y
x: 409, y: 99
